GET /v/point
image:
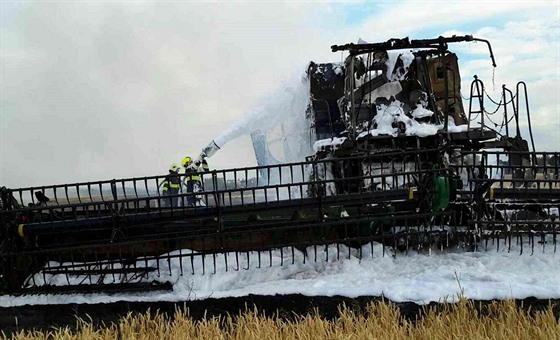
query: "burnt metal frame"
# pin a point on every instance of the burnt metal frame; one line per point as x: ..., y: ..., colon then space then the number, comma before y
x: 438, y: 45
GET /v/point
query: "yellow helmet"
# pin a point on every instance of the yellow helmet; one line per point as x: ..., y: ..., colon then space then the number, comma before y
x: 186, y: 161
x: 174, y: 167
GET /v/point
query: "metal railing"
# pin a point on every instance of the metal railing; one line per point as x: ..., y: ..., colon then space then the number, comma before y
x: 117, y: 232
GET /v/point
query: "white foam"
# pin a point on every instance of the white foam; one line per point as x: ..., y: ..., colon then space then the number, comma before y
x: 422, y: 278
x: 420, y: 112
x: 393, y: 56
x: 328, y: 143
x: 287, y: 103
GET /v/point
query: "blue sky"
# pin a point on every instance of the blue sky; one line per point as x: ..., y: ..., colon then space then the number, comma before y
x: 96, y: 90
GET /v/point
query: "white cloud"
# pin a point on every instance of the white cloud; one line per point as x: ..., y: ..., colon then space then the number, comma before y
x: 102, y: 90
x: 407, y: 17
x: 134, y: 87
x: 526, y: 50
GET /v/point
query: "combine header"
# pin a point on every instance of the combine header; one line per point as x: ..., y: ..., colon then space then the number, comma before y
x: 398, y: 161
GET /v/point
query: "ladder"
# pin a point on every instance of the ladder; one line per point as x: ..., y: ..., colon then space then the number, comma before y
x: 477, y: 90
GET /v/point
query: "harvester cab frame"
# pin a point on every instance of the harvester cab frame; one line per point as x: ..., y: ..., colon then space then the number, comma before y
x: 432, y: 75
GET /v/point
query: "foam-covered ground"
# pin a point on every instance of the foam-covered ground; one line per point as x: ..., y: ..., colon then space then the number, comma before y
x: 420, y: 278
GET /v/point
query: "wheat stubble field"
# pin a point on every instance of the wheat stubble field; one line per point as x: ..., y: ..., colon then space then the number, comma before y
x: 294, y: 317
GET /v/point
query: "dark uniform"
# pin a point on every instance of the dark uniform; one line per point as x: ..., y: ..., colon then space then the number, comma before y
x: 205, y: 168
x: 171, y: 186
x: 193, y: 177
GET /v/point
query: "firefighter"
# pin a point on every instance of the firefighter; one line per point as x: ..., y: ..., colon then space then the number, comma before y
x: 204, y: 163
x: 193, y: 179
x: 171, y: 186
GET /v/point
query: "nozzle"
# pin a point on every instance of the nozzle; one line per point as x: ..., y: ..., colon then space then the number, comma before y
x: 210, y: 149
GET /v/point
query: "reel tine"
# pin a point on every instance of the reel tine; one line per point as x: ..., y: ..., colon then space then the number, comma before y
x: 520, y: 242
x: 214, y: 261
x: 543, y: 239
x: 383, y: 240
x: 225, y: 259
x: 485, y: 239
x: 180, y: 262
x: 509, y: 241
x: 532, y: 244
x: 360, y: 253
x: 237, y: 261
x: 203, y: 258
x: 61, y: 268
x: 169, y: 263
x: 315, y: 251
x: 395, y: 240
x: 293, y: 256
x: 554, y: 241
x: 192, y: 261
x: 407, y: 233
x: 337, y: 250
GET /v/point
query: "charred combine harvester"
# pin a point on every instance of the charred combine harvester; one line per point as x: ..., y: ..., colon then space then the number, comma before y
x: 398, y: 161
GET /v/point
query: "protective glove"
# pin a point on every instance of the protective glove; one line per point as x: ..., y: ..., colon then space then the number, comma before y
x: 200, y: 159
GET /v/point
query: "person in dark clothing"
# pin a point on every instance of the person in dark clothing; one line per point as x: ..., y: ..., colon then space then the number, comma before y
x: 171, y: 186
x: 193, y: 178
